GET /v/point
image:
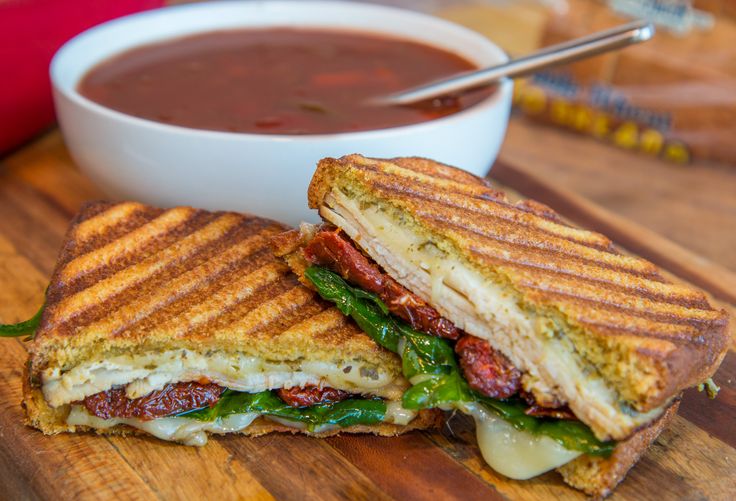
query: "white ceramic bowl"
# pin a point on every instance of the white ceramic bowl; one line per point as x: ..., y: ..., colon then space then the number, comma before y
x: 167, y: 165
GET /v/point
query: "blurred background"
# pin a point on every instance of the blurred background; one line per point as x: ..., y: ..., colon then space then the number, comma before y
x: 648, y: 132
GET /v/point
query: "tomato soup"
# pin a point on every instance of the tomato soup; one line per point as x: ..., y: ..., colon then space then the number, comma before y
x: 276, y: 81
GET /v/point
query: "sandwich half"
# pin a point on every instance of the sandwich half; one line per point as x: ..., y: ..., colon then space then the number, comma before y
x: 568, y: 353
x: 181, y: 322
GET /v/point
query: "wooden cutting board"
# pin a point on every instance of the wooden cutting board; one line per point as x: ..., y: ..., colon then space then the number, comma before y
x: 40, y: 190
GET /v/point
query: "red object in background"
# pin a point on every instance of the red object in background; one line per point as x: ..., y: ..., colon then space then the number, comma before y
x: 30, y: 33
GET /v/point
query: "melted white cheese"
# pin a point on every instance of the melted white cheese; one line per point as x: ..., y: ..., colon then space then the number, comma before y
x: 152, y: 371
x: 514, y: 453
x: 397, y: 414
x: 174, y: 429
x: 192, y: 432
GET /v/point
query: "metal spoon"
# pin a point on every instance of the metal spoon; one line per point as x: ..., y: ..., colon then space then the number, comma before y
x: 578, y: 48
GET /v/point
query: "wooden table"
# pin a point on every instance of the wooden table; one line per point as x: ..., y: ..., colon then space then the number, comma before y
x: 39, y: 192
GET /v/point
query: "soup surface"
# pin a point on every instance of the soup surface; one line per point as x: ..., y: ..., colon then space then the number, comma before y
x: 275, y: 81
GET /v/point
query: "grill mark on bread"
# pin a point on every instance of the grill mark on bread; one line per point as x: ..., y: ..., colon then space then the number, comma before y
x: 485, y: 202
x: 568, y: 286
x: 221, y: 305
x: 305, y: 309
x: 626, y: 307
x: 114, y: 231
x: 508, y: 238
x: 329, y: 325
x: 517, y: 215
x: 129, y: 249
x: 133, y: 242
x: 633, y: 286
x: 255, y: 320
x: 65, y: 305
x: 162, y: 282
x: 92, y: 303
x: 438, y: 169
x: 507, y: 235
x: 651, y: 285
x: 675, y: 334
x: 149, y: 311
x: 97, y: 217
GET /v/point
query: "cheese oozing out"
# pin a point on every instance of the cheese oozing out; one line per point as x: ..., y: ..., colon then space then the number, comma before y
x: 147, y: 372
x: 194, y: 432
x: 174, y: 429
x: 486, y: 310
x: 514, y: 453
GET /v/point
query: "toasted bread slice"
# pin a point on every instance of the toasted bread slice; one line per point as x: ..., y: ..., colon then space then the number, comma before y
x: 594, y: 475
x: 602, y: 331
x: 598, y: 476
x: 142, y: 297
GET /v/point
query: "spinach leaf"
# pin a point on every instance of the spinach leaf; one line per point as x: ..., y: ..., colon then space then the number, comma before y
x: 346, y: 413
x: 365, y: 308
x: 429, y: 363
x: 27, y: 327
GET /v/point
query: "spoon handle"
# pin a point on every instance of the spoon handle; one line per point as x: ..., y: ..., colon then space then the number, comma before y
x: 579, y: 48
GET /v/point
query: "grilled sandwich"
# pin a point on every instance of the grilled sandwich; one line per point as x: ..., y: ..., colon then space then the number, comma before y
x: 181, y: 322
x: 568, y: 353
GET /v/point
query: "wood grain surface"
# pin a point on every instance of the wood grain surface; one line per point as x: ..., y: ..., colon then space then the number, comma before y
x: 39, y: 192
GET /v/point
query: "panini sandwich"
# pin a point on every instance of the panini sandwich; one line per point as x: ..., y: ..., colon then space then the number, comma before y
x: 568, y: 353
x: 181, y: 322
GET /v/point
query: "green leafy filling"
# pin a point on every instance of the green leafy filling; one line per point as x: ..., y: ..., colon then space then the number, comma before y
x: 26, y: 328
x: 349, y: 412
x: 429, y: 363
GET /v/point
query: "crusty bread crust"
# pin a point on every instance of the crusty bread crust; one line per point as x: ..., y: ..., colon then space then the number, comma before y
x: 39, y: 414
x: 597, y: 476
x: 288, y: 246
